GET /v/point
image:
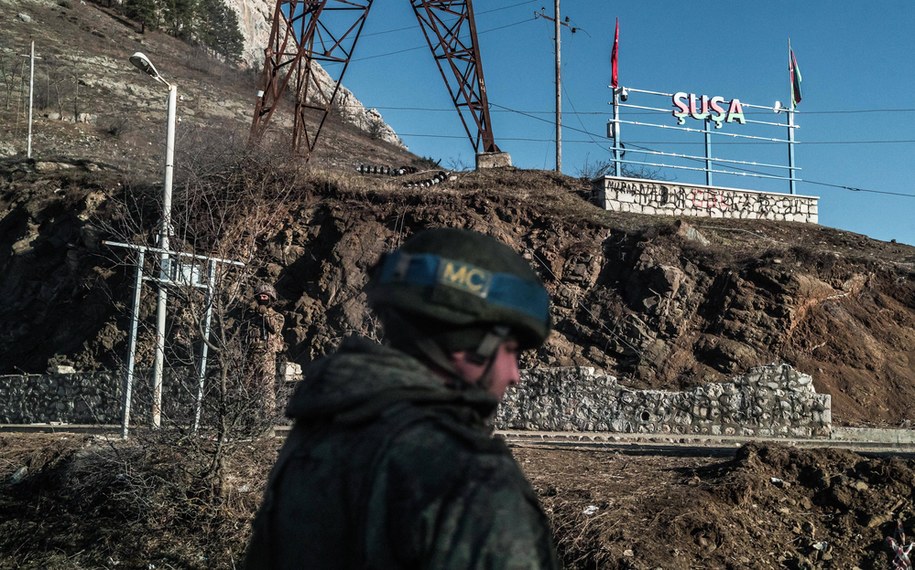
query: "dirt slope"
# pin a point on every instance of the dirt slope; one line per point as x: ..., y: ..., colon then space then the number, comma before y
x: 769, y: 507
x: 633, y: 295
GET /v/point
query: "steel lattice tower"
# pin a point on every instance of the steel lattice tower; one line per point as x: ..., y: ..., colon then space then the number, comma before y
x: 326, y: 31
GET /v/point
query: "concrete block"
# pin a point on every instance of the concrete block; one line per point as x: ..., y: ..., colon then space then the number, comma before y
x: 493, y: 160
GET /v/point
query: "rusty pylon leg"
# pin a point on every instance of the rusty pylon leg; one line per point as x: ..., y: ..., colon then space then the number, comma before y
x: 326, y: 31
x: 451, y: 33
x: 307, y: 31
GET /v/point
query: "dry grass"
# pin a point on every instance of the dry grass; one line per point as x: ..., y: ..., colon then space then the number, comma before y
x: 151, y: 501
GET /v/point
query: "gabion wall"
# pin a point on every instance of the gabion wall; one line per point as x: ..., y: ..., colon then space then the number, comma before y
x: 87, y: 398
x: 770, y: 401
x: 773, y: 400
x: 97, y: 398
x: 66, y: 398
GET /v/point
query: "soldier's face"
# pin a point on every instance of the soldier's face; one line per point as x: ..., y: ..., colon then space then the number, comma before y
x: 502, y: 373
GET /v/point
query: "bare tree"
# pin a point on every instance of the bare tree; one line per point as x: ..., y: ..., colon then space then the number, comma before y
x: 228, y: 203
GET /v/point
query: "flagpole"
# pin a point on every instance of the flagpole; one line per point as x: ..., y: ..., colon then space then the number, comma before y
x: 791, y: 180
x: 557, y: 26
x: 791, y: 72
x: 614, y: 85
x: 617, y: 167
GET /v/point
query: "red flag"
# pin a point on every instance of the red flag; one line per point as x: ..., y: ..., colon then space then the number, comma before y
x: 795, y: 72
x: 614, y: 58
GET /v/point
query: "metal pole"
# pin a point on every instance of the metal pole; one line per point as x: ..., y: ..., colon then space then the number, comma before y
x: 708, y: 154
x: 169, y: 166
x: 791, y: 173
x: 204, y: 350
x: 617, y: 167
x: 132, y: 345
x: 164, y: 260
x: 557, y: 27
x: 31, y: 91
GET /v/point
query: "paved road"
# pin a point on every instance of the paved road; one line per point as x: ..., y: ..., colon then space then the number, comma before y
x: 885, y: 443
x: 700, y: 445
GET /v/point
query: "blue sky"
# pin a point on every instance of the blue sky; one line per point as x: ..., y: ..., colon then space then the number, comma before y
x: 857, y: 117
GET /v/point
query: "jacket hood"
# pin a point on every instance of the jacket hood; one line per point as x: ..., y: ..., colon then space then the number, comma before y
x: 363, y: 378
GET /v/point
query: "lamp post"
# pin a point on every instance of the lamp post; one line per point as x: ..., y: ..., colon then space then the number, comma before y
x: 143, y: 64
x: 31, y: 91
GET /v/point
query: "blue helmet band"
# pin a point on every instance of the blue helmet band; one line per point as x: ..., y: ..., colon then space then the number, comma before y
x: 499, y: 289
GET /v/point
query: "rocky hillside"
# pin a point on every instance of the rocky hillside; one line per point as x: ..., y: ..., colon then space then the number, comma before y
x: 659, y: 302
x: 255, y: 19
x: 87, y: 92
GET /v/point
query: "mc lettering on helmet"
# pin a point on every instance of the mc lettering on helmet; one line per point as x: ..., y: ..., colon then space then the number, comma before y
x: 465, y: 276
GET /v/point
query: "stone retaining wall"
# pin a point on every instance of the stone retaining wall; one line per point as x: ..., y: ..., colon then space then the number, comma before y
x: 770, y: 401
x: 669, y: 199
x: 87, y: 398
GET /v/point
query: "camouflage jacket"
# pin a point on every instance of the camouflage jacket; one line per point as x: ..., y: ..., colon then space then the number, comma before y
x: 263, y: 329
x: 385, y: 468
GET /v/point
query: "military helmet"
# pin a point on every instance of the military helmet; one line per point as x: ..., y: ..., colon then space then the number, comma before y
x: 265, y: 289
x: 458, y: 284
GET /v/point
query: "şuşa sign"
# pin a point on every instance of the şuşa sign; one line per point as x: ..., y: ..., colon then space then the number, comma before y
x: 704, y: 108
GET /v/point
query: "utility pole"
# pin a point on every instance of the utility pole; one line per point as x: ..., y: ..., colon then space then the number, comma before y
x: 556, y: 31
x: 31, y: 91
x: 141, y: 62
x: 557, y: 37
x: 31, y: 56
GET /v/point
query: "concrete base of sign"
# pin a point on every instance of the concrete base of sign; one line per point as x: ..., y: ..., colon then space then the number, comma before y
x: 493, y: 160
x: 663, y: 198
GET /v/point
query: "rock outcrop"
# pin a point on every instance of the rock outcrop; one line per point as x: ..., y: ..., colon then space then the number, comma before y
x: 255, y: 18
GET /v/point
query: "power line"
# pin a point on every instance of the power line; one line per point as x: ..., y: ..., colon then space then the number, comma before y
x: 507, y: 110
x: 803, y: 143
x: 508, y: 7
x: 856, y: 189
x: 578, y: 116
x: 634, y: 145
x: 800, y: 143
x: 479, y: 33
x: 531, y: 115
x: 818, y: 183
x: 413, y: 27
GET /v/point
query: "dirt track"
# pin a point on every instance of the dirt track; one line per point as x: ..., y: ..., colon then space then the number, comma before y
x: 765, y: 507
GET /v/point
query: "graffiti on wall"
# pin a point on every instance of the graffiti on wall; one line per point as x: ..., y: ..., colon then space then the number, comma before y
x: 714, y: 201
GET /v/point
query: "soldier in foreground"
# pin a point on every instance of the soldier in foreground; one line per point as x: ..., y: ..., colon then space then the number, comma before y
x: 390, y: 463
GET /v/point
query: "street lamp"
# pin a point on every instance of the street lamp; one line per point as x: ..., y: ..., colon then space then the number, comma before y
x: 143, y: 64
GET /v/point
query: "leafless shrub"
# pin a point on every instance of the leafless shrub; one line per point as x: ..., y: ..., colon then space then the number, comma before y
x: 595, y: 169
x: 228, y: 202
x: 12, y: 73
x: 117, y: 126
x: 154, y: 501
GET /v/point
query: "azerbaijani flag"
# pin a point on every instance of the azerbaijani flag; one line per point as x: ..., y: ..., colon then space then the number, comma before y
x: 795, y: 74
x: 615, y: 58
